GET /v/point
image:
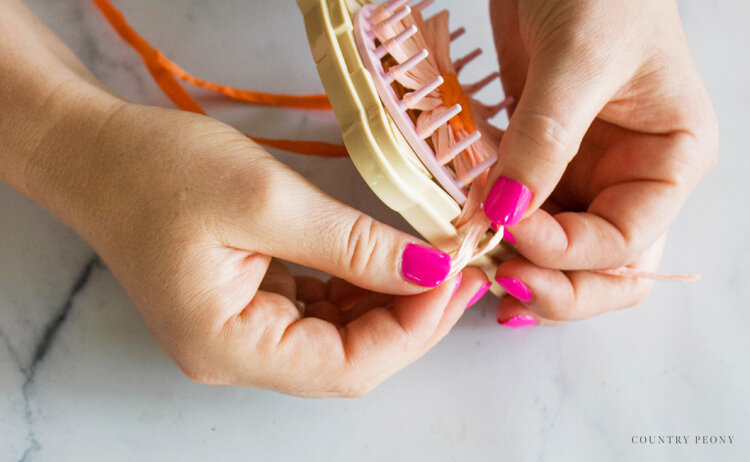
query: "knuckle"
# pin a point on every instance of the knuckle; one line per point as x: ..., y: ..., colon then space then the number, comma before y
x: 567, y: 305
x: 705, y: 135
x: 641, y: 292
x: 547, y: 258
x: 354, y: 379
x: 363, y: 238
x: 353, y: 388
x: 626, y: 253
x: 200, y: 373
x: 623, y: 243
x: 712, y: 144
x: 558, y: 312
x: 358, y: 392
x: 549, y: 140
x: 712, y: 159
x: 265, y: 186
x: 562, y: 308
x: 694, y: 155
x: 197, y: 360
x: 689, y: 161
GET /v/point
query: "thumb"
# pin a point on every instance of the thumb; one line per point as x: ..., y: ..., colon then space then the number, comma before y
x: 297, y: 222
x: 563, y: 93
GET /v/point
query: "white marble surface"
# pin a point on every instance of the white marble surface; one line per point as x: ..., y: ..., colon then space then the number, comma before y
x: 82, y: 379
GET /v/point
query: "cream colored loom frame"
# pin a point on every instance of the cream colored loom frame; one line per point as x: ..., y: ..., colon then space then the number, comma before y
x: 376, y: 146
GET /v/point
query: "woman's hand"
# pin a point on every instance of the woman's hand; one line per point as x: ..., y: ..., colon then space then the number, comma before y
x: 612, y: 130
x: 188, y: 213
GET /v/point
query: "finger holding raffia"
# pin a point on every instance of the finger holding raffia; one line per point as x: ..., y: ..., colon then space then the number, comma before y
x: 546, y: 296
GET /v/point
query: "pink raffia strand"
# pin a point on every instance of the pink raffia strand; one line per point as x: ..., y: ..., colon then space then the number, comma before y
x: 626, y: 272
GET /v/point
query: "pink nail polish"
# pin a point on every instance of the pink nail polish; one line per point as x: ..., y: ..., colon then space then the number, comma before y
x: 508, y: 236
x: 517, y: 322
x: 458, y: 284
x: 507, y: 202
x: 480, y: 293
x: 425, y: 266
x: 516, y: 288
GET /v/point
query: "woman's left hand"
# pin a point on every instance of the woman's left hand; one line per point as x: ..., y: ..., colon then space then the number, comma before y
x: 612, y: 130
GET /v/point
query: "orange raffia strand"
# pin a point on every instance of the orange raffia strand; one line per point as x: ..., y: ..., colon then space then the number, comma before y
x: 165, y: 72
x: 315, y: 102
x: 452, y: 93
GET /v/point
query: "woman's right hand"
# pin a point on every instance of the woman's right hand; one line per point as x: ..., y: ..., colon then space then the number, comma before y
x: 188, y: 214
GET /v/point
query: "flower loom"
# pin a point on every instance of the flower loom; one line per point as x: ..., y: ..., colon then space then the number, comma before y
x: 414, y: 133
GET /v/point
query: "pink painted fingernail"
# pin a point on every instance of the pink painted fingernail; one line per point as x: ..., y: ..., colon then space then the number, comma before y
x: 517, y: 322
x: 458, y: 284
x: 516, y: 288
x: 425, y: 266
x: 508, y: 236
x: 480, y: 293
x: 507, y: 202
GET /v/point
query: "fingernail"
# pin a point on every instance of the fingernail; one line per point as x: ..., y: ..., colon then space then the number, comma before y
x: 517, y: 322
x: 425, y: 266
x: 480, y: 293
x: 516, y: 288
x: 458, y: 284
x: 507, y: 202
x: 507, y: 236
